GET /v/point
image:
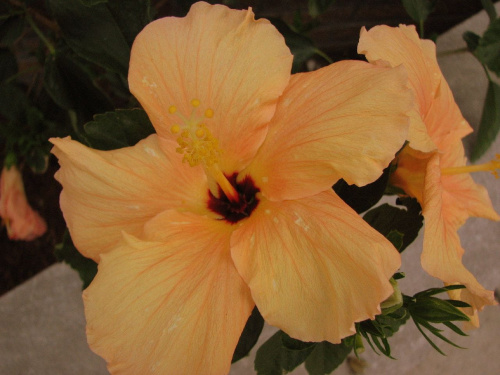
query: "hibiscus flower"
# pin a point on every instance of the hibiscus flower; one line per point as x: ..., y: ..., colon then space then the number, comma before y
x: 22, y: 222
x: 229, y: 205
x: 432, y: 167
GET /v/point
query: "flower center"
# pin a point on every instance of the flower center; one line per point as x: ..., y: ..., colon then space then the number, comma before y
x: 491, y: 166
x: 233, y: 211
x: 200, y: 147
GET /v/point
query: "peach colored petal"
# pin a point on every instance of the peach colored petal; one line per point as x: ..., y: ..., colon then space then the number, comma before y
x: 410, y: 172
x: 23, y: 223
x: 444, y: 119
x: 172, y: 307
x: 314, y: 266
x: 467, y: 297
x: 346, y: 121
x: 106, y: 192
x: 461, y: 195
x: 231, y: 63
x: 442, y: 252
x: 402, y: 46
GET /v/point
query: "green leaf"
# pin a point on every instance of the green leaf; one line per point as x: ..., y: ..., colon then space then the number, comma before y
x: 434, y: 291
x: 435, y: 310
x: 277, y: 355
x: 71, y: 87
x: 318, y: 7
x: 130, y: 16
x: 249, y: 336
x: 386, y: 219
x: 92, y: 33
x: 490, y: 9
x: 488, y: 49
x: 122, y: 128
x: 8, y: 64
x: 67, y: 252
x: 419, y: 10
x: 396, y: 238
x: 302, y: 47
x: 425, y: 309
x: 472, y: 40
x: 326, y: 357
x: 362, y: 198
x: 490, y: 122
x: 38, y: 160
x: 436, y: 332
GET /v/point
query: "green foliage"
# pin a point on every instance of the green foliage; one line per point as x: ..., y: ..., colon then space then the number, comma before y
x: 318, y: 7
x: 472, y: 40
x: 490, y: 122
x: 281, y: 354
x: 490, y: 9
x: 25, y: 128
x: 488, y: 47
x: 301, y: 46
x: 426, y: 309
x: 377, y: 331
x: 122, y: 128
x: 70, y: 85
x: 93, y: 33
x: 487, y: 50
x: 419, y: 10
x: 67, y: 252
x: 326, y: 357
x: 249, y: 336
x: 392, y: 221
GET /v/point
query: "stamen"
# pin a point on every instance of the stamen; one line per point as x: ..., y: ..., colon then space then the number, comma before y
x: 195, y: 140
x: 209, y: 113
x: 491, y: 166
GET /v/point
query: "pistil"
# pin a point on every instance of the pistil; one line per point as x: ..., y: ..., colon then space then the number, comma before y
x: 491, y: 166
x: 199, y: 146
x: 224, y: 184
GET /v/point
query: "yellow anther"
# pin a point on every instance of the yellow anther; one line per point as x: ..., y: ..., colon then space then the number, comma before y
x: 491, y: 166
x: 175, y: 129
x: 194, y: 138
x: 200, y: 132
x: 209, y: 113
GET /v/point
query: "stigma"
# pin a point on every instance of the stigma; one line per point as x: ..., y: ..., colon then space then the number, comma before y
x: 492, y: 166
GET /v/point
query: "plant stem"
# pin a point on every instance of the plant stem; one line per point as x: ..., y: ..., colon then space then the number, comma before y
x: 490, y: 9
x: 453, y: 52
x: 42, y: 37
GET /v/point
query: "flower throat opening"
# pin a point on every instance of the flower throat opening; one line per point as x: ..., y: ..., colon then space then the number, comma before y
x: 233, y: 211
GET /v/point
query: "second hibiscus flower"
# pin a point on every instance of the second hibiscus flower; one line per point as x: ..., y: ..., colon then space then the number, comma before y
x: 230, y: 203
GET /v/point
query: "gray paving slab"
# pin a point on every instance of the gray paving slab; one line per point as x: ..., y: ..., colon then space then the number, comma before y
x: 42, y: 326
